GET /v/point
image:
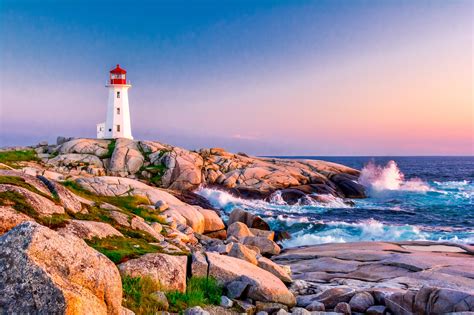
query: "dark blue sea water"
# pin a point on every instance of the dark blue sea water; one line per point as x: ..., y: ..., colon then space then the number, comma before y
x: 410, y: 198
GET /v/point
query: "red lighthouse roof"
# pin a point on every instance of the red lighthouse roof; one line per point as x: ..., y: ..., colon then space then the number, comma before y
x: 118, y: 70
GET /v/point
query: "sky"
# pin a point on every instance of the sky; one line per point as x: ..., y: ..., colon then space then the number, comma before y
x: 265, y: 77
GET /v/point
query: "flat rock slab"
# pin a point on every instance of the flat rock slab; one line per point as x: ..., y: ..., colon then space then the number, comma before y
x: 370, y: 266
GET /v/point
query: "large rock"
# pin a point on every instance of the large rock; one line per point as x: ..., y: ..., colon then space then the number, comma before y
x: 431, y: 300
x: 265, y: 245
x: 361, y: 301
x: 274, y: 269
x: 27, y: 178
x: 88, y: 230
x: 251, y: 220
x: 349, y: 186
x: 238, y: 230
x: 126, y: 158
x: 242, y: 252
x: 212, y: 221
x: 169, y: 271
x: 43, y: 272
x: 73, y: 159
x: 262, y: 285
x: 183, y: 169
x: 42, y: 205
x: 118, y: 186
x: 11, y: 218
x: 95, y: 147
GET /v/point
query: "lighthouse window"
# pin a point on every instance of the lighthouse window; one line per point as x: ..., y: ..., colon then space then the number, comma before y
x: 118, y: 94
x: 118, y: 110
x: 118, y: 128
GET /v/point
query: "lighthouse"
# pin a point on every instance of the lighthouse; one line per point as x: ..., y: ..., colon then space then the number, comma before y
x: 117, y: 122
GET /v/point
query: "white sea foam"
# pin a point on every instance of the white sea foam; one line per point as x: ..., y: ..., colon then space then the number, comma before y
x: 379, y: 178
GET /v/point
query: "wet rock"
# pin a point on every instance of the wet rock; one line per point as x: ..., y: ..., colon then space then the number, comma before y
x: 167, y: 270
x: 292, y: 196
x: 34, y: 280
x: 361, y: 301
x: 343, y: 307
x: 349, y: 186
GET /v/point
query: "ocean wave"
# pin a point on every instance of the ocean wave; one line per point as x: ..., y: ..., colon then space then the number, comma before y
x: 389, y: 177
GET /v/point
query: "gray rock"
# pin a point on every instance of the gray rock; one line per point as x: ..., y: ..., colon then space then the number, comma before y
x: 262, y: 313
x: 236, y: 289
x: 376, y: 310
x: 343, y: 307
x: 226, y: 302
x: 299, y: 311
x: 44, y: 272
x: 316, y: 306
x: 361, y: 301
x: 245, y: 306
x: 331, y: 297
x: 196, y: 310
x: 270, y: 307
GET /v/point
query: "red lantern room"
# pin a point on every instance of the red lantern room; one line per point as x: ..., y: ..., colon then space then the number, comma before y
x: 118, y: 76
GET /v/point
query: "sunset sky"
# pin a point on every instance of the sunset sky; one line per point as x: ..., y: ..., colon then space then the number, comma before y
x: 265, y: 77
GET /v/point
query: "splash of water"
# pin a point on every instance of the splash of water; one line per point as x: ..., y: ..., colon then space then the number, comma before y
x: 389, y: 177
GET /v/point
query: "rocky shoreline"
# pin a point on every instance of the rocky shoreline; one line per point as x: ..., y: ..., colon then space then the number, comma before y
x: 86, y: 214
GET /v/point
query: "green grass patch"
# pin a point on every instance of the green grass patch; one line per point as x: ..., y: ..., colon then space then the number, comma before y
x: 120, y: 249
x: 110, y: 148
x: 200, y: 291
x: 12, y: 157
x: 138, y: 295
x: 18, y: 202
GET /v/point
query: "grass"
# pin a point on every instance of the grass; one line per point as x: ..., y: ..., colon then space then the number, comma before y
x: 12, y: 157
x: 138, y: 295
x: 120, y: 249
x: 110, y: 148
x: 200, y: 291
x: 18, y: 202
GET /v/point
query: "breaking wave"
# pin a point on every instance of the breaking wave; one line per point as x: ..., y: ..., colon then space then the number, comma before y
x: 389, y: 177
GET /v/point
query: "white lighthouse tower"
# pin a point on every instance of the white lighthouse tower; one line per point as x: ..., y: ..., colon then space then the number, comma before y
x: 117, y: 123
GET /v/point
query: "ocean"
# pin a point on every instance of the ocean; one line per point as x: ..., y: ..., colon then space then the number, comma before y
x: 410, y: 198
